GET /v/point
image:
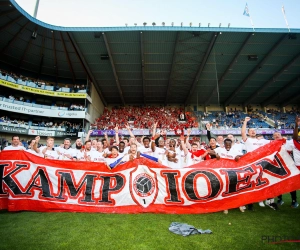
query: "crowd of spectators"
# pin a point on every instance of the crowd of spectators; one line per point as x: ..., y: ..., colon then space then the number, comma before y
x: 6, y: 119
x: 77, y: 88
x: 233, y: 119
x: 41, y: 84
x: 169, y: 118
x: 70, y: 127
x: 77, y: 107
x: 282, y: 120
x: 223, y: 120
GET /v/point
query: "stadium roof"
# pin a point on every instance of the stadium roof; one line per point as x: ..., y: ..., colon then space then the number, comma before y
x: 158, y: 65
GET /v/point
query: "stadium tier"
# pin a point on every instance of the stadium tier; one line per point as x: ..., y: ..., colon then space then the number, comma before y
x: 207, y: 67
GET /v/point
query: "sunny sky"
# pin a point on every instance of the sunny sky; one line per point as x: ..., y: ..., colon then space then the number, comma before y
x: 112, y: 13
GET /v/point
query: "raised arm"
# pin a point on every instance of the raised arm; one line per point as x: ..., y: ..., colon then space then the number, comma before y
x: 129, y: 131
x: 154, y: 136
x: 153, y: 139
x: 117, y: 134
x: 154, y: 129
x: 88, y: 135
x: 187, y: 142
x: 244, y: 127
x: 185, y: 150
x: 207, y: 125
x: 35, y: 148
x: 132, y: 136
x: 107, y: 141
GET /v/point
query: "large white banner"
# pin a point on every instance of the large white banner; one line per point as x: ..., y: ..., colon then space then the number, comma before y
x: 29, y: 182
x: 12, y: 107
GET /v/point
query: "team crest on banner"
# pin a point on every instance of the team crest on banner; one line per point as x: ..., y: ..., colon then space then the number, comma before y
x: 143, y: 186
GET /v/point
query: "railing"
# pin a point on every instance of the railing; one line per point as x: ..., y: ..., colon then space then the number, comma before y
x: 35, y: 126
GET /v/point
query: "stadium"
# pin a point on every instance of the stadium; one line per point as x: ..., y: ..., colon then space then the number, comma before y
x: 64, y: 82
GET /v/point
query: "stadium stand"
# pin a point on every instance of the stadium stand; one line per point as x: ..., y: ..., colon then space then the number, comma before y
x: 232, y: 119
x: 143, y: 117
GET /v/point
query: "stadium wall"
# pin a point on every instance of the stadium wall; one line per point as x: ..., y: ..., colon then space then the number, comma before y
x: 272, y: 106
x: 238, y: 107
x: 214, y: 108
x: 96, y: 107
x: 198, y: 108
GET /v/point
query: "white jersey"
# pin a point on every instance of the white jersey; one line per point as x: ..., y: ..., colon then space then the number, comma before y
x: 238, y: 147
x: 290, y: 146
x: 231, y: 154
x: 127, y: 157
x: 189, y: 160
x: 76, y: 150
x: 185, y: 158
x: 180, y: 159
x: 88, y: 153
x: 31, y: 151
x: 49, y: 154
x: 11, y: 147
x: 97, y: 156
x: 66, y: 154
x: 121, y: 154
x: 126, y: 149
x: 146, y: 151
x: 80, y: 155
x: 194, y: 160
x: 106, y: 151
x: 160, y: 154
x: 252, y: 143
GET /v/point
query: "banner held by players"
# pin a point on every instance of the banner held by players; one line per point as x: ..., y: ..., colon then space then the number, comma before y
x: 36, y: 184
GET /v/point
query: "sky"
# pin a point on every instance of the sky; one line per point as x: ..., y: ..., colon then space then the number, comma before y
x: 117, y: 13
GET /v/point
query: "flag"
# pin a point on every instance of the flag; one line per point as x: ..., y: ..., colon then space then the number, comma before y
x: 116, y: 163
x: 150, y: 157
x: 246, y: 11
